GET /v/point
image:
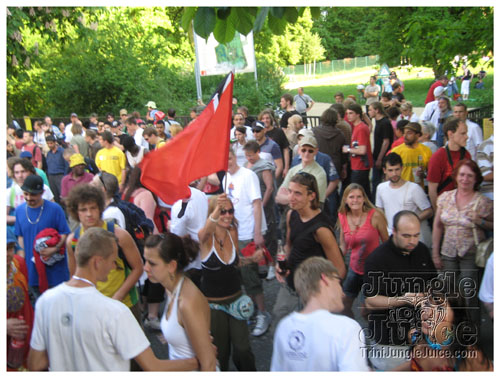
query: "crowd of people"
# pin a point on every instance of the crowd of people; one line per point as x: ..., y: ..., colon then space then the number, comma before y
x: 392, y: 228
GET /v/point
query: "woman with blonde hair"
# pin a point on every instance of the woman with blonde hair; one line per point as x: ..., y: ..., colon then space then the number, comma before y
x: 363, y: 228
x: 295, y: 123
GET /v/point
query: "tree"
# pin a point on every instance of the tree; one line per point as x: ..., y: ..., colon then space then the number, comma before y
x: 225, y: 21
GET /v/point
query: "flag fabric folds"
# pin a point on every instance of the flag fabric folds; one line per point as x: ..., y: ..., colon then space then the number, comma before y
x: 200, y: 149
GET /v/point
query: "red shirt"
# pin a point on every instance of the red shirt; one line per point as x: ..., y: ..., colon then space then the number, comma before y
x: 430, y: 94
x: 439, y: 167
x: 361, y: 242
x: 396, y: 143
x: 361, y: 133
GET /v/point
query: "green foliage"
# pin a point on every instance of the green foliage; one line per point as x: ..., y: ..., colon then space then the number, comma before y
x: 225, y: 21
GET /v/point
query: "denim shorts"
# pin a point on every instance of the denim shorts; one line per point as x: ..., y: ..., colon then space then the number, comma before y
x: 352, y: 284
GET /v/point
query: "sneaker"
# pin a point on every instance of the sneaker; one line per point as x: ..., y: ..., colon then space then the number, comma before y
x: 271, y: 274
x: 263, y: 322
x: 153, y: 324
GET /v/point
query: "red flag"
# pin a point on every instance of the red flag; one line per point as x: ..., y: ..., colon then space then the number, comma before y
x: 200, y: 149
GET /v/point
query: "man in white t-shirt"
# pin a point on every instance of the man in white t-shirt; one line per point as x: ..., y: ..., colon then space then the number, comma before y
x: 474, y: 132
x: 188, y: 216
x: 243, y: 189
x: 397, y: 194
x: 79, y: 329
x: 135, y: 131
x: 318, y: 338
x: 22, y: 169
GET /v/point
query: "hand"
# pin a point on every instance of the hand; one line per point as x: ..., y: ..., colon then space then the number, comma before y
x: 258, y: 239
x: 49, y: 251
x: 437, y: 262
x: 343, y: 173
x: 281, y: 274
x: 258, y: 255
x: 345, y: 149
x: 222, y: 201
x: 17, y: 328
x: 285, y: 171
x: 378, y: 164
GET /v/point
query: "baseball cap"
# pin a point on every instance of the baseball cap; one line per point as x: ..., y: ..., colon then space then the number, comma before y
x: 26, y: 154
x: 257, y: 126
x: 414, y: 126
x: 438, y: 91
x: 151, y: 104
x: 74, y: 115
x: 304, y: 132
x: 76, y: 159
x: 123, y: 112
x: 33, y: 184
x: 308, y: 140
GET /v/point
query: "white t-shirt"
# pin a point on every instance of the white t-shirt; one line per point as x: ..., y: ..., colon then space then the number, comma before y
x: 139, y: 139
x: 411, y: 197
x: 475, y: 135
x: 193, y: 220
x: 319, y: 341
x: 243, y: 188
x: 83, y: 330
x: 15, y: 195
x: 113, y: 212
x: 240, y: 154
x: 487, y: 286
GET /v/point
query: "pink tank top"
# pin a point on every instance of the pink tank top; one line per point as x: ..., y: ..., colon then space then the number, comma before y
x: 360, y: 242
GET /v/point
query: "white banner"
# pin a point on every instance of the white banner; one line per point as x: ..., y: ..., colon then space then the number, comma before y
x: 216, y: 59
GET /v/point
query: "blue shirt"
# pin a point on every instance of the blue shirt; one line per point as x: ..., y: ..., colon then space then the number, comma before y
x: 326, y: 163
x: 52, y: 217
x: 271, y: 147
x: 56, y: 165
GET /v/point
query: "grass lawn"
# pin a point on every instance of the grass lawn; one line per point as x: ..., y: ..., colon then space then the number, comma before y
x: 322, y: 89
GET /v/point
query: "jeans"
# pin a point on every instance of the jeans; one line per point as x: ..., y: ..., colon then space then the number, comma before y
x: 377, y: 176
x: 362, y: 178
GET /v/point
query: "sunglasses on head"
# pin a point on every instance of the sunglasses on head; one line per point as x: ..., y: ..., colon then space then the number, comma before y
x: 304, y: 150
x: 224, y: 211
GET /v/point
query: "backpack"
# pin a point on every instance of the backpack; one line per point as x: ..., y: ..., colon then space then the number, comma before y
x: 91, y: 165
x: 136, y: 222
x: 159, y: 115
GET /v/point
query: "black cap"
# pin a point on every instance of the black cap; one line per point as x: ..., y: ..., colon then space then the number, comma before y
x: 33, y: 184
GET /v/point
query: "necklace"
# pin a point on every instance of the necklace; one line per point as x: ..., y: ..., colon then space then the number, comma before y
x: 358, y: 223
x: 83, y: 279
x: 39, y: 215
x: 221, y: 241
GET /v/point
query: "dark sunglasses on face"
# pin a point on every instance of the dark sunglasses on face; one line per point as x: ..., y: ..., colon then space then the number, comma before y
x: 224, y: 211
x: 304, y: 150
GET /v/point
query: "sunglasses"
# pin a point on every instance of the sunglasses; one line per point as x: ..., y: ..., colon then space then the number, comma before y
x: 257, y: 131
x: 229, y: 211
x: 304, y: 150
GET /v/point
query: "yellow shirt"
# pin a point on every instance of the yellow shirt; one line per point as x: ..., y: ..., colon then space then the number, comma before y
x: 116, y: 277
x: 160, y: 143
x: 111, y: 160
x: 410, y: 157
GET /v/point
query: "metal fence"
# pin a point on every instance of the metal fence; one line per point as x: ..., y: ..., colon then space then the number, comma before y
x: 329, y: 66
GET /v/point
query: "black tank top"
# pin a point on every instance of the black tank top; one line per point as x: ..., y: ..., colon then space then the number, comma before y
x: 219, y: 279
x: 303, y: 243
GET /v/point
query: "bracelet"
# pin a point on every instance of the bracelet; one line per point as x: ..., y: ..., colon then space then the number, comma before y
x: 212, y: 219
x: 349, y: 150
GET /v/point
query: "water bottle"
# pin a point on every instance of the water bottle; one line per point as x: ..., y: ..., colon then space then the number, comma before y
x: 15, y: 351
x: 281, y: 257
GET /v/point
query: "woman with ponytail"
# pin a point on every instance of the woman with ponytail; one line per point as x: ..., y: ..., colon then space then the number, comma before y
x: 186, y: 321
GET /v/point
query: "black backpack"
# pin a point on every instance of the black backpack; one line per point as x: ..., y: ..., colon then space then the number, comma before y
x: 136, y: 222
